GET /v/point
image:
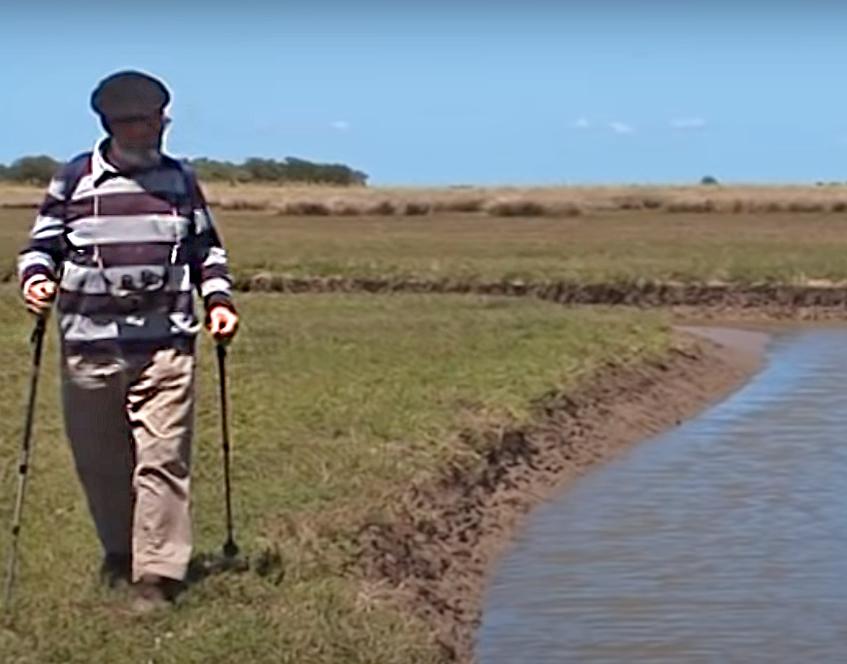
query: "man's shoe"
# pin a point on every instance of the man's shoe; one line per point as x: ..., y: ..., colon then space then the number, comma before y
x: 150, y: 594
x: 116, y: 570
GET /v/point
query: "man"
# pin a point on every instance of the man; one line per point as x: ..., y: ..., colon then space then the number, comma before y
x: 124, y: 237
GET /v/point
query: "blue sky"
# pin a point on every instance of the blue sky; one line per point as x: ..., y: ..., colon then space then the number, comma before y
x: 455, y: 92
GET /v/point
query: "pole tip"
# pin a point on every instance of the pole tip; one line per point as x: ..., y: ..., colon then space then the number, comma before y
x: 230, y: 548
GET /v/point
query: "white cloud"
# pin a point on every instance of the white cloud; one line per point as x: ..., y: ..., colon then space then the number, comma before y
x: 688, y: 123
x: 341, y: 125
x: 621, y: 128
x: 581, y: 123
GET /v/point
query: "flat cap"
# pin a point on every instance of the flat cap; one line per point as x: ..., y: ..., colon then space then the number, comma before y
x: 129, y: 93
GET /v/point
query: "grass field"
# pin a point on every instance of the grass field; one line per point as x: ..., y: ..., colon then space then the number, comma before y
x: 620, y: 247
x: 604, y: 248
x: 339, y: 403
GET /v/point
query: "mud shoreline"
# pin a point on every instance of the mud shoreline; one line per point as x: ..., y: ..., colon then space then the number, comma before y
x: 437, y: 555
x: 814, y: 300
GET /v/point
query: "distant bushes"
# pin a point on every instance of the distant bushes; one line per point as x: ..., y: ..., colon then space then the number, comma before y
x: 37, y: 170
x: 526, y: 207
x: 273, y: 187
x: 290, y: 169
x: 515, y: 207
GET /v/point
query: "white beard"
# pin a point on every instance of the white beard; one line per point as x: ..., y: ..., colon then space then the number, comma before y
x: 137, y: 158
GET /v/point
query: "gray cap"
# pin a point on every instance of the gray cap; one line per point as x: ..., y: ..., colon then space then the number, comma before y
x: 129, y: 93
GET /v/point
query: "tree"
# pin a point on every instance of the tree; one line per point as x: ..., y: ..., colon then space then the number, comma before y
x: 212, y: 169
x: 292, y: 169
x: 33, y: 170
x: 708, y: 180
x: 39, y: 169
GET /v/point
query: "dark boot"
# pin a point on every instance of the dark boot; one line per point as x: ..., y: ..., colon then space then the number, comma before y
x: 116, y: 569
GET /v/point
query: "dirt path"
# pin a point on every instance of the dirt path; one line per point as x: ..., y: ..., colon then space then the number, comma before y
x: 437, y: 555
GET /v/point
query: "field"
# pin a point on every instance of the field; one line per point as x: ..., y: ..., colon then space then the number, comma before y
x: 529, y: 201
x: 341, y: 403
x: 603, y: 248
x: 557, y: 201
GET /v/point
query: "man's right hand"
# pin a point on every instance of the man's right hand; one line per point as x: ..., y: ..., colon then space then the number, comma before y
x: 39, y: 295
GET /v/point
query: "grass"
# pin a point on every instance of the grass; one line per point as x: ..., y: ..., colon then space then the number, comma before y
x: 610, y: 248
x: 339, y: 404
x: 605, y: 248
x: 526, y: 201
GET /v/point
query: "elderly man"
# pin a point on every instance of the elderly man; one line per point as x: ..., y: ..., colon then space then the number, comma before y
x: 124, y: 237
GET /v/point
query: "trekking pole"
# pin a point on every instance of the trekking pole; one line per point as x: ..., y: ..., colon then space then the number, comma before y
x: 230, y: 548
x: 37, y: 341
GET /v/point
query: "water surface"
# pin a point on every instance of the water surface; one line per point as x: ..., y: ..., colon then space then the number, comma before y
x: 722, y: 540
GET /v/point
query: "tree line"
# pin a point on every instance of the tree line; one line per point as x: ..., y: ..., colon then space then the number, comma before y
x: 38, y: 170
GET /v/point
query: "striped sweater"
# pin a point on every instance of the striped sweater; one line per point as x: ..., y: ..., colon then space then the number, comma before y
x: 128, y: 250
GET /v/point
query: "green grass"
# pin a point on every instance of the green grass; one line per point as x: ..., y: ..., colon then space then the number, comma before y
x: 743, y: 248
x: 338, y: 403
x: 601, y: 248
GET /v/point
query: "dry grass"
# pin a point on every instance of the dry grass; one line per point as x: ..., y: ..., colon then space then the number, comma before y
x: 321, y: 200
x: 533, y: 201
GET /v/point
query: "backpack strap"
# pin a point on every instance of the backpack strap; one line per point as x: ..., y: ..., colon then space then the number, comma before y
x: 74, y: 170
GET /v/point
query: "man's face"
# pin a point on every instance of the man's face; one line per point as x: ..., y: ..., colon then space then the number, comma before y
x: 139, y: 132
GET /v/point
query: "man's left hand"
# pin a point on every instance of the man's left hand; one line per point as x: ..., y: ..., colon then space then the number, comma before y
x: 223, y: 323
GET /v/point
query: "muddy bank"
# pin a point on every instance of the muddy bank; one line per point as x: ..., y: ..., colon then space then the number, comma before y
x: 437, y: 553
x: 813, y: 300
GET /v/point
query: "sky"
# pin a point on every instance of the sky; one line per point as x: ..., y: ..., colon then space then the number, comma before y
x: 453, y: 93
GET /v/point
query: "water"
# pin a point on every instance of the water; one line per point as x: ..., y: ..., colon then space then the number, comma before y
x: 723, y: 540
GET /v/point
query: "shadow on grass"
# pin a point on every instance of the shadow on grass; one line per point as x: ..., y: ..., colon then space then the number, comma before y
x: 203, y: 565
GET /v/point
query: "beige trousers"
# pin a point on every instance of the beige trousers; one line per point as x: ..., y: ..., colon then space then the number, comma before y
x: 129, y: 421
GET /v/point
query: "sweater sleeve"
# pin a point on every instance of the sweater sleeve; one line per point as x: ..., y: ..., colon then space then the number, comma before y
x: 210, y: 263
x: 42, y: 257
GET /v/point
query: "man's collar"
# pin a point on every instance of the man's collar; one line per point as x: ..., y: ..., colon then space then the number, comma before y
x: 101, y: 169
